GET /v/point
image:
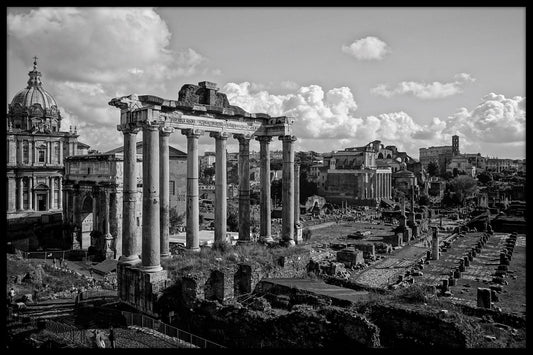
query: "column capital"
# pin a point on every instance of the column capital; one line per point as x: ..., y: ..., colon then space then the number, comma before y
x: 287, y: 138
x: 265, y: 139
x: 219, y: 135
x: 129, y: 129
x: 150, y: 125
x: 192, y: 132
x: 165, y: 131
x: 241, y: 137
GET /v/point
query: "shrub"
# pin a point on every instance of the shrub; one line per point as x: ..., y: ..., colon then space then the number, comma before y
x: 412, y: 294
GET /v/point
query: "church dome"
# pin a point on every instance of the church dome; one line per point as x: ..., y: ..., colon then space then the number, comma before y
x: 34, y: 93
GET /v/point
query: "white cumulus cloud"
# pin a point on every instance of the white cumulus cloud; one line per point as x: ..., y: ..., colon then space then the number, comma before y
x: 104, y: 53
x: 434, y: 90
x: 368, y: 48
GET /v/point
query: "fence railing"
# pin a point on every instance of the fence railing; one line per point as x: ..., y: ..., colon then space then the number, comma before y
x: 187, y: 339
x: 53, y: 254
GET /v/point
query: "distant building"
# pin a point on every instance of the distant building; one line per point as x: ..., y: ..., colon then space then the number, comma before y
x: 93, y: 197
x: 351, y: 175
x: 36, y: 148
x: 442, y: 155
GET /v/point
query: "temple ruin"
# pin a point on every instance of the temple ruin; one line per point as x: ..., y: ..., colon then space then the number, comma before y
x: 200, y: 109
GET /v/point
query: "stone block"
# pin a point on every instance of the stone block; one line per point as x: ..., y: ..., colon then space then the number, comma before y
x: 350, y: 257
x: 368, y: 249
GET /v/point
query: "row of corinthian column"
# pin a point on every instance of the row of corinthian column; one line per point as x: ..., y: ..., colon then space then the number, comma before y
x: 155, y: 207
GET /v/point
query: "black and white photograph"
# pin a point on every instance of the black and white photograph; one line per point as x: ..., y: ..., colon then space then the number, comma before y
x: 265, y: 178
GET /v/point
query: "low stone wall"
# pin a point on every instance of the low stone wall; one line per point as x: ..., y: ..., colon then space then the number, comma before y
x: 404, y: 327
x: 303, y: 327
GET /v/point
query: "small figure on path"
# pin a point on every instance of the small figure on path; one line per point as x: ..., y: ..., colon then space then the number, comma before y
x: 112, y: 337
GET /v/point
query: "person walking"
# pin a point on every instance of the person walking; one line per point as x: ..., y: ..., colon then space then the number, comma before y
x: 11, y: 295
x: 112, y: 337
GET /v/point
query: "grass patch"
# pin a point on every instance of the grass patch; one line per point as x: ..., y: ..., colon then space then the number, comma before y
x: 224, y: 255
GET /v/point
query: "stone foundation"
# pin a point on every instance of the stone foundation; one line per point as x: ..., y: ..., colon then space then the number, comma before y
x: 141, y: 289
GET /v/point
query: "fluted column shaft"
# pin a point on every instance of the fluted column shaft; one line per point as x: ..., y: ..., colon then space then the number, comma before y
x: 265, y: 198
x: 60, y: 193
x: 287, y: 223
x: 193, y: 210
x: 221, y: 188
x: 130, y: 247
x: 30, y: 193
x: 11, y: 190
x: 20, y: 194
x: 151, y: 245
x: 244, y: 186
x: 52, y: 191
x: 296, y: 193
x: 164, y: 178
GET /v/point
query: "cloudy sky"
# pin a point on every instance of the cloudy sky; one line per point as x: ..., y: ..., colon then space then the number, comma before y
x: 410, y: 77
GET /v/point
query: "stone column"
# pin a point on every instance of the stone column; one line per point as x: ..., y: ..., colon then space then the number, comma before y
x: 130, y: 247
x: 95, y: 195
x: 221, y: 188
x: 48, y: 152
x: 193, y: 211
x: 412, y: 218
x: 244, y: 186
x: 265, y: 199
x: 61, y: 152
x: 435, y: 244
x: 151, y: 245
x: 296, y: 193
x: 164, y: 192
x: 287, y: 224
x: 11, y: 188
x: 52, y: 192
x: 30, y: 193
x: 107, y: 235
x: 30, y: 153
x: 60, y: 194
x: 20, y: 194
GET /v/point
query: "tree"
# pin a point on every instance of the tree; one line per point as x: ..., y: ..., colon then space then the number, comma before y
x: 463, y: 186
x: 423, y: 200
x: 209, y: 173
x: 175, y: 220
x: 275, y: 190
x: 307, y: 188
x: 233, y: 221
x: 484, y: 177
x: 433, y: 169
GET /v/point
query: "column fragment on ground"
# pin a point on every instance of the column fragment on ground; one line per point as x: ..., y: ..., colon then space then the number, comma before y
x: 244, y: 186
x: 221, y: 187
x: 287, y: 223
x: 265, y: 199
x: 192, y: 241
x: 151, y: 244
x: 164, y: 196
x: 130, y: 247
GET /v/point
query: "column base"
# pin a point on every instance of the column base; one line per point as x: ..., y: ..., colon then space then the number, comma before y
x: 243, y: 242
x: 194, y: 249
x: 165, y: 256
x: 150, y: 269
x: 129, y: 260
x: 287, y: 243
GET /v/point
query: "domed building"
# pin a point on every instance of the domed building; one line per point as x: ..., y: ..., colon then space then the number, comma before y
x: 36, y: 148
